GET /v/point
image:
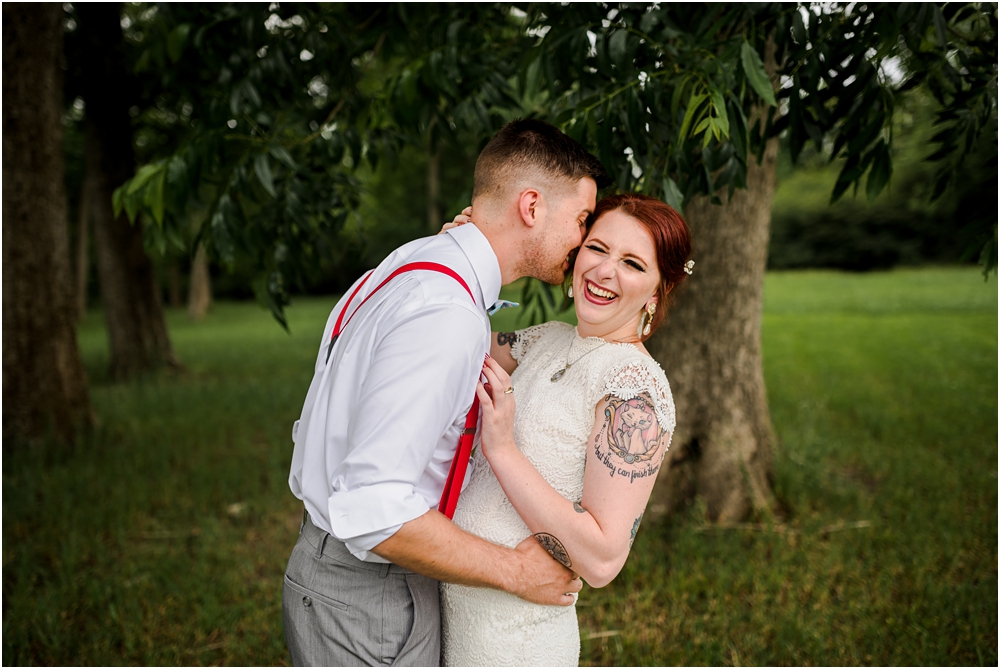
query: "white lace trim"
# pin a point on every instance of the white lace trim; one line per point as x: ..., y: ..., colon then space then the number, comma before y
x: 527, y: 337
x: 634, y: 378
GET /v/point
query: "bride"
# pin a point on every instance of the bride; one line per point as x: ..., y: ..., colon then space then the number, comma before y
x: 576, y: 422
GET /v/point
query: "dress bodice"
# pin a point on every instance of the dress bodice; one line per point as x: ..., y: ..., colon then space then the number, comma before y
x: 554, y: 419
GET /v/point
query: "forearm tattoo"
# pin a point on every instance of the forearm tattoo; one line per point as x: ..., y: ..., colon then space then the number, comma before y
x: 506, y: 338
x: 554, y: 548
x: 629, y: 440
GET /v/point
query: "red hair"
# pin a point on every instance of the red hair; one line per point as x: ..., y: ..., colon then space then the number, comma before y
x: 671, y: 239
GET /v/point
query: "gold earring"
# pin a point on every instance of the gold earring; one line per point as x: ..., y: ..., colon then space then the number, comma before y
x: 646, y: 320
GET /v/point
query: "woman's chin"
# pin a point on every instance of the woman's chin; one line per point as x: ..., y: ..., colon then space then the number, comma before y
x: 598, y: 311
x: 593, y: 321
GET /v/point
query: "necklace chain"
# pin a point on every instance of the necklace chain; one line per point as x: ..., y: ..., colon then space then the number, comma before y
x: 560, y: 373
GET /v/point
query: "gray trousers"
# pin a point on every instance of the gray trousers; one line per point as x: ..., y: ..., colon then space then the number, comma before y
x: 341, y: 612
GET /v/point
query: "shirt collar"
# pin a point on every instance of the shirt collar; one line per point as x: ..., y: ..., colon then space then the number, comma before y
x: 482, y: 258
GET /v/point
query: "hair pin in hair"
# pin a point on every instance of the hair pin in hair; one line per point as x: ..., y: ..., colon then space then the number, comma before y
x: 689, y: 267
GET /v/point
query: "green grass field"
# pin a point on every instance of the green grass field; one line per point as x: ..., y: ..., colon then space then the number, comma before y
x: 162, y: 538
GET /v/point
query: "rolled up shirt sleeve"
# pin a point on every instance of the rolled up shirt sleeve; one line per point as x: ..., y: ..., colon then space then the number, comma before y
x: 419, y: 386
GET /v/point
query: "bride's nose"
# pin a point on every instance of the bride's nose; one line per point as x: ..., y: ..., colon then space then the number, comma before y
x: 606, y: 270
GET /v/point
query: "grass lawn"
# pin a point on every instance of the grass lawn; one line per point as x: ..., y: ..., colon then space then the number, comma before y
x: 162, y: 538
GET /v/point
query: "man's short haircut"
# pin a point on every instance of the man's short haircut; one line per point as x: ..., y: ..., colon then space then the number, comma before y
x: 527, y: 146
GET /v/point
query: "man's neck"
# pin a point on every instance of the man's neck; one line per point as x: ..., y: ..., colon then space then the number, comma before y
x: 499, y: 234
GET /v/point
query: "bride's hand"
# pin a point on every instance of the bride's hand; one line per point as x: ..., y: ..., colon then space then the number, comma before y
x: 497, y: 400
x: 461, y: 219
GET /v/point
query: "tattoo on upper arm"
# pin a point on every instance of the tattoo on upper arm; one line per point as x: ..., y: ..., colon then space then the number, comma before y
x: 506, y: 338
x: 635, y: 528
x: 630, y: 438
x: 554, y: 548
x: 578, y: 508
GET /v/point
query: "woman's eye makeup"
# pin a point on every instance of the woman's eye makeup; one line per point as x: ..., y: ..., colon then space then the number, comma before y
x: 596, y: 248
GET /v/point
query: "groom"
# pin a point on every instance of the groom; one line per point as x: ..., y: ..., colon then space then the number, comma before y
x: 388, y: 402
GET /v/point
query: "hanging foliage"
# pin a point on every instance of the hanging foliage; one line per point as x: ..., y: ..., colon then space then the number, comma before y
x: 281, y: 103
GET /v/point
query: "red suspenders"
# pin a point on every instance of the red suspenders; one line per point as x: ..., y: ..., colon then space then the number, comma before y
x: 453, y: 486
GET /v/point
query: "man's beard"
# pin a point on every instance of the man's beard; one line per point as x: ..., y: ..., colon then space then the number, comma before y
x: 543, y: 268
x: 540, y: 264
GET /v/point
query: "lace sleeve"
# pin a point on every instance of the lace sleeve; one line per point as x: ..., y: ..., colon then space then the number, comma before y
x: 634, y: 378
x: 527, y: 337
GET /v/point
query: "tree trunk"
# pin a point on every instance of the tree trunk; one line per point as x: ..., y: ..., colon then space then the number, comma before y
x: 44, y: 384
x: 174, y: 298
x: 82, y: 267
x: 710, y: 350
x: 132, y: 307
x: 200, y: 290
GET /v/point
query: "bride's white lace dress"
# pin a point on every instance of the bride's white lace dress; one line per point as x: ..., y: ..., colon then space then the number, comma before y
x: 482, y: 627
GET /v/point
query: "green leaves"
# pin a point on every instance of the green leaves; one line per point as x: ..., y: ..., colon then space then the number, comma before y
x: 672, y: 195
x: 694, y: 103
x: 538, y: 303
x: 720, y: 127
x: 176, y: 41
x: 675, y: 99
x: 144, y: 191
x: 753, y: 68
x: 880, y: 171
x: 263, y: 170
x: 618, y: 49
x: 153, y: 198
x: 142, y: 177
x: 282, y: 154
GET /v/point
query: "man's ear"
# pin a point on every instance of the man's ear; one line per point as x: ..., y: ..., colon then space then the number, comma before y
x: 529, y: 205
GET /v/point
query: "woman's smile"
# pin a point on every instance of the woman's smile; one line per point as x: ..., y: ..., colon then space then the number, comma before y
x: 597, y: 294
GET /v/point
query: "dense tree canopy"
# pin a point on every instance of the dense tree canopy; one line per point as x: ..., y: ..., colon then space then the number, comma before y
x: 277, y: 105
x: 276, y: 108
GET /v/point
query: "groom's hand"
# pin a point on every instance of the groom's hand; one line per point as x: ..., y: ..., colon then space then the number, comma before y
x: 434, y: 546
x: 543, y: 580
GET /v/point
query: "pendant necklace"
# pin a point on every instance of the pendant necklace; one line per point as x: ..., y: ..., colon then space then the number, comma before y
x: 560, y: 373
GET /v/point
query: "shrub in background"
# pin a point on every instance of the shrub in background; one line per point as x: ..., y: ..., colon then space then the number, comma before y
x: 901, y: 226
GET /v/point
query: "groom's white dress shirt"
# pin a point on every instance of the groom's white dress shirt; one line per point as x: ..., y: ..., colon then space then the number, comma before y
x: 382, y: 418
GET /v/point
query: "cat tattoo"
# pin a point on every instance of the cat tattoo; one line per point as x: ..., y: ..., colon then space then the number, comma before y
x: 630, y: 438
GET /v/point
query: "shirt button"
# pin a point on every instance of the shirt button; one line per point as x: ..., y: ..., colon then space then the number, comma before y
x: 306, y: 602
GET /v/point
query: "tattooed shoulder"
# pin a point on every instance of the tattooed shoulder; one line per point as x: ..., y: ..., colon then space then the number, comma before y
x: 506, y: 338
x: 629, y: 440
